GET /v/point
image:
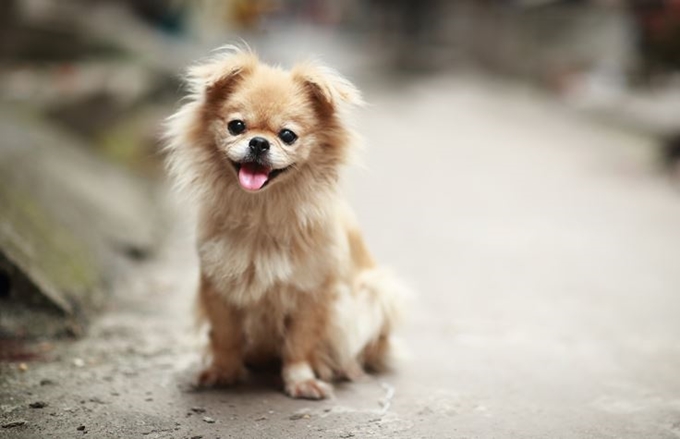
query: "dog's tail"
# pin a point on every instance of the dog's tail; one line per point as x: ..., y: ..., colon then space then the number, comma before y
x: 367, y: 317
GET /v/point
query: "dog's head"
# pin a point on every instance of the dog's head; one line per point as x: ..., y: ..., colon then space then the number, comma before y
x: 269, y: 124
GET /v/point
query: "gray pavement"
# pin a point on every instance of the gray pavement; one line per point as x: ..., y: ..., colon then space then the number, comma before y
x: 544, y: 253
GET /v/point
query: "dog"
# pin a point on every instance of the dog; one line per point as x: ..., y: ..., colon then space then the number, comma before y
x: 285, y: 274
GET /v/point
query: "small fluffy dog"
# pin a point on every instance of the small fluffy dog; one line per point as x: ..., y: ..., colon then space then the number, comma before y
x: 285, y: 273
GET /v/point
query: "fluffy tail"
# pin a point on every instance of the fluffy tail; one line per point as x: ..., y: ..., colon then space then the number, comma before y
x: 366, y: 317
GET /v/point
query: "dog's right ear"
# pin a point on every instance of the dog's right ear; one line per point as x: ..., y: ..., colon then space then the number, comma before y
x: 215, y: 78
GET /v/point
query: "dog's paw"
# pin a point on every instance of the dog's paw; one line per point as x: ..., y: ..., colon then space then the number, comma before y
x: 309, y: 389
x: 353, y: 371
x: 324, y: 372
x: 215, y: 376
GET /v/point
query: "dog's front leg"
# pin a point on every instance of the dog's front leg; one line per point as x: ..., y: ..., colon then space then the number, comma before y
x: 305, y: 330
x: 226, y: 338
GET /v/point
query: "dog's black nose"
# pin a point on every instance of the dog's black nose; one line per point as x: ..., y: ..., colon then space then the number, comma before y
x: 258, y: 145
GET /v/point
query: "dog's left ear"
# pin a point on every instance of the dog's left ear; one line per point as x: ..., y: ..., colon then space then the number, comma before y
x: 216, y: 77
x: 328, y: 89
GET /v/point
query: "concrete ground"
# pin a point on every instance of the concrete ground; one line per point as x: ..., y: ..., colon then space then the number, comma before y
x: 544, y: 251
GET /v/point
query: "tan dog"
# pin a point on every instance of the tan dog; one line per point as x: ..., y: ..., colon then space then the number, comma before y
x: 285, y: 273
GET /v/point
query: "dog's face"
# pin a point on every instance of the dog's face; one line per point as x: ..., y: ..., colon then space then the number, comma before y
x: 269, y: 123
x: 267, y: 128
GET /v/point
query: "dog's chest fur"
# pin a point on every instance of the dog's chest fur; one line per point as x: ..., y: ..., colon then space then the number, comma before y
x: 247, y: 263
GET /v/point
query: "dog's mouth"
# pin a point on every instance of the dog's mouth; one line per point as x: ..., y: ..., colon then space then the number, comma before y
x: 253, y: 176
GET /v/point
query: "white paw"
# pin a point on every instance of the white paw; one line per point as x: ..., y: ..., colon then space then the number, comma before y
x: 309, y: 389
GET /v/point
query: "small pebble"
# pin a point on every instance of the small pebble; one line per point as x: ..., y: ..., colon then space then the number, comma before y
x: 46, y: 382
x: 38, y: 405
x: 196, y: 437
x: 208, y: 419
x: 198, y: 409
x: 12, y: 424
x: 81, y: 428
x: 78, y: 362
x: 297, y: 416
x: 23, y: 367
x: 261, y: 418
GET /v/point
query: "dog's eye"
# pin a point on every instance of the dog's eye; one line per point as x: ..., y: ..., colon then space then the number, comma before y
x: 287, y: 136
x: 236, y: 127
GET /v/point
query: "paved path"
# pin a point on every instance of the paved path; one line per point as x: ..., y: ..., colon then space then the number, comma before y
x: 545, y: 252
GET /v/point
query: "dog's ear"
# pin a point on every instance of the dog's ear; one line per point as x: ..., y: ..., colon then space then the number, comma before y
x: 215, y: 78
x: 327, y: 88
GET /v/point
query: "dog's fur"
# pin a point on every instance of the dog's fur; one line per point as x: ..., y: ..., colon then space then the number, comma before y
x: 285, y: 273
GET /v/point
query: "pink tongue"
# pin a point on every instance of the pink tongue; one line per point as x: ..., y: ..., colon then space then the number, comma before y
x: 252, y: 176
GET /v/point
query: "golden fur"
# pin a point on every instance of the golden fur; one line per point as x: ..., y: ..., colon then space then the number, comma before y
x: 285, y: 273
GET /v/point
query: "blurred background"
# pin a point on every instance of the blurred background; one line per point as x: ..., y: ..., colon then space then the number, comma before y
x: 107, y: 71
x: 521, y: 166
